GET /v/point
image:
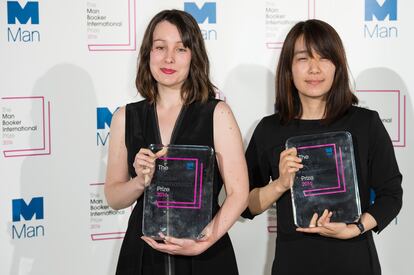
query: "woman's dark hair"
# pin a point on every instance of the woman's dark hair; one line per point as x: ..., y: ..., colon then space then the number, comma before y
x: 321, y: 38
x: 197, y: 86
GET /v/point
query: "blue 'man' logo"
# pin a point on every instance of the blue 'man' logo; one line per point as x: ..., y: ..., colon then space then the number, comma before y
x: 103, y: 117
x: 388, y: 8
x: 27, y: 211
x: 22, y: 14
x: 207, y: 11
x: 189, y: 165
x: 329, y: 151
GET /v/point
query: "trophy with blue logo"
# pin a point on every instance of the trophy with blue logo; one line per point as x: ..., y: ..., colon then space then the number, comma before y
x: 327, y: 180
x: 178, y: 201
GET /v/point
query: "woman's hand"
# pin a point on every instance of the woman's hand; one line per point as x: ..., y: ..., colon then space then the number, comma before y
x: 324, y: 227
x: 176, y: 246
x: 260, y: 199
x: 289, y: 164
x: 144, y: 164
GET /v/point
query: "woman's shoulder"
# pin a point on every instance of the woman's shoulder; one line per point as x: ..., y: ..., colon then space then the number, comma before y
x: 270, y: 122
x: 363, y: 114
x: 267, y: 130
x: 137, y: 104
x: 222, y: 113
x: 362, y: 111
x: 211, y: 102
x: 138, y: 108
x: 212, y: 106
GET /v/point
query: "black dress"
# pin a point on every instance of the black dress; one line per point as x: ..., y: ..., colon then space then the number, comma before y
x: 301, y: 253
x: 194, y: 127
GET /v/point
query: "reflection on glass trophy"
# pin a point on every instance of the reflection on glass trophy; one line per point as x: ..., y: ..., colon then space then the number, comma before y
x: 178, y: 201
x: 327, y: 180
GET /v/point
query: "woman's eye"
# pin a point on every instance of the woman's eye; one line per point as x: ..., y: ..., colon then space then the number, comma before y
x: 181, y: 49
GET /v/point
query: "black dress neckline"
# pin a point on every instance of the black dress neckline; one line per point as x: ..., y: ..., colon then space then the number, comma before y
x: 176, y: 128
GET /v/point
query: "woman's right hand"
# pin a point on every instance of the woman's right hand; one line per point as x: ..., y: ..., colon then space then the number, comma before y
x: 289, y: 164
x: 144, y: 164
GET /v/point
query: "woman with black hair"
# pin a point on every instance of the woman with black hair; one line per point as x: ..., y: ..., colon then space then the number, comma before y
x: 313, y: 96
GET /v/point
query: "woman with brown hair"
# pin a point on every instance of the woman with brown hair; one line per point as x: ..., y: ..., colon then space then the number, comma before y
x: 179, y: 108
x: 313, y: 96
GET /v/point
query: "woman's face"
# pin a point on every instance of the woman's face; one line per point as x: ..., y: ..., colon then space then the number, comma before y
x: 169, y: 59
x: 312, y: 76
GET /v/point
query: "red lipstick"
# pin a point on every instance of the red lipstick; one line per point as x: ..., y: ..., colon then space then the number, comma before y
x: 167, y: 71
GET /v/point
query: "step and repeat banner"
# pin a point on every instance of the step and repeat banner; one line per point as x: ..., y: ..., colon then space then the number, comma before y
x: 66, y: 66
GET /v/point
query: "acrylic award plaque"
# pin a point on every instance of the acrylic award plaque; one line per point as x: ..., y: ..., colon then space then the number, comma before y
x: 327, y: 180
x: 178, y: 201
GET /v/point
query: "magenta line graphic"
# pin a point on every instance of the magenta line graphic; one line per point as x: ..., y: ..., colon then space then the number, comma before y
x: 339, y: 170
x: 195, y: 181
x: 102, y: 236
x: 400, y: 140
x: 46, y: 143
x: 277, y: 45
x: 131, y: 45
x: 107, y: 236
x: 405, y: 123
x: 198, y: 187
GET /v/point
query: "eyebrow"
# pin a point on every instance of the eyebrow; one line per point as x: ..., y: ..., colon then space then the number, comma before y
x: 163, y: 40
x: 300, y: 52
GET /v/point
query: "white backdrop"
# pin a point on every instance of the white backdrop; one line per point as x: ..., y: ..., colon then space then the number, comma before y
x: 67, y: 65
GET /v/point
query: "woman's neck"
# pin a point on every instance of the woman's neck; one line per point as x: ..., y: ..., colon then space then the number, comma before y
x: 168, y: 98
x: 313, y: 109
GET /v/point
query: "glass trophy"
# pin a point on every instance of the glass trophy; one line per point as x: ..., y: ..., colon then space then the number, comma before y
x: 327, y: 180
x: 178, y: 201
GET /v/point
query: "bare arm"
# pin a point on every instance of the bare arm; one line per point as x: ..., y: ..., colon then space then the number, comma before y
x: 260, y: 199
x: 120, y: 190
x: 232, y: 165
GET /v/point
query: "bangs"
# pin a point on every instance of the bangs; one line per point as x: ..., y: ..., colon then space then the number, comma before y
x: 183, y: 29
x: 316, y: 40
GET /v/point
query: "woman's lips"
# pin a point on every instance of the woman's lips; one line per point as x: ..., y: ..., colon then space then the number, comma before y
x: 314, y: 82
x: 168, y: 71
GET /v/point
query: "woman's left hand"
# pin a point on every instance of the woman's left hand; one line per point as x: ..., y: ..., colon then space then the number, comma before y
x: 324, y: 227
x: 176, y: 246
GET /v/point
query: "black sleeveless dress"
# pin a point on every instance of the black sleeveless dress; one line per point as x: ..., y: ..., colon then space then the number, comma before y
x: 194, y: 127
